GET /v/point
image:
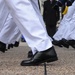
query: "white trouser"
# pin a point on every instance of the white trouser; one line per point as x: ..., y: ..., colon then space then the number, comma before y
x: 28, y: 21
x: 6, y: 27
x: 3, y: 14
x: 18, y: 39
x: 16, y: 35
x: 71, y: 35
x: 63, y: 30
x: 37, y: 10
x: 9, y: 32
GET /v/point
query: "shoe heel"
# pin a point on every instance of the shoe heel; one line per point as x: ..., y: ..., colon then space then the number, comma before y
x: 52, y: 59
x: 66, y: 45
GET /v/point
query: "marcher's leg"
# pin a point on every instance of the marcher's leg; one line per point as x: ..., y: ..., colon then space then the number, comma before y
x: 64, y: 28
x: 29, y: 25
x: 37, y: 10
x: 7, y: 30
x: 32, y: 29
x: 3, y: 13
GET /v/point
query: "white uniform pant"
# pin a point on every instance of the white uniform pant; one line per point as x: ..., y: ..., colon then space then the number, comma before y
x: 71, y: 35
x: 3, y: 13
x: 28, y: 21
x: 10, y: 32
x: 64, y: 28
x: 7, y: 26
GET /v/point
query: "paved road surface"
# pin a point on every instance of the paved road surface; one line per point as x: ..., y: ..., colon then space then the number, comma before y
x: 10, y: 62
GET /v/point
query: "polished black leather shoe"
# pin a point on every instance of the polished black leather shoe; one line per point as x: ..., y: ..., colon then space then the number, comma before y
x: 73, y: 46
x: 30, y: 54
x: 2, y: 47
x: 16, y: 44
x: 71, y: 43
x: 10, y: 46
x: 48, y: 55
x: 57, y: 43
x: 64, y: 42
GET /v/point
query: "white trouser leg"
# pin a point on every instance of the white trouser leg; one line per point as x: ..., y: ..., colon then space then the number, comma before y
x: 65, y: 24
x: 72, y: 35
x: 18, y: 37
x: 3, y: 14
x: 29, y: 24
x: 8, y: 30
x: 71, y: 30
x: 15, y: 35
x: 36, y: 8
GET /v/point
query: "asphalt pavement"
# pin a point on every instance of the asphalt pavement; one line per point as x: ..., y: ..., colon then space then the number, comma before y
x: 11, y: 59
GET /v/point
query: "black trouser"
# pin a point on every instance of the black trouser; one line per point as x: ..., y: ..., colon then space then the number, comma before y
x: 51, y: 30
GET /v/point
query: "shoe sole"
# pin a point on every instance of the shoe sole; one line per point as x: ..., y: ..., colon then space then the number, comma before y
x: 52, y: 59
x: 36, y: 64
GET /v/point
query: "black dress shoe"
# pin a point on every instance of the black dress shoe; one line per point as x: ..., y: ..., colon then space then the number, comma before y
x: 48, y: 55
x: 57, y: 43
x: 2, y: 47
x: 64, y: 42
x: 10, y: 46
x: 30, y: 54
x: 16, y: 44
x: 73, y: 46
x: 72, y: 43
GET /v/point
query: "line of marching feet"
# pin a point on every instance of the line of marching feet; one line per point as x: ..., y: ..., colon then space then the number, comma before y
x: 4, y: 47
x: 49, y: 55
x: 64, y: 43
